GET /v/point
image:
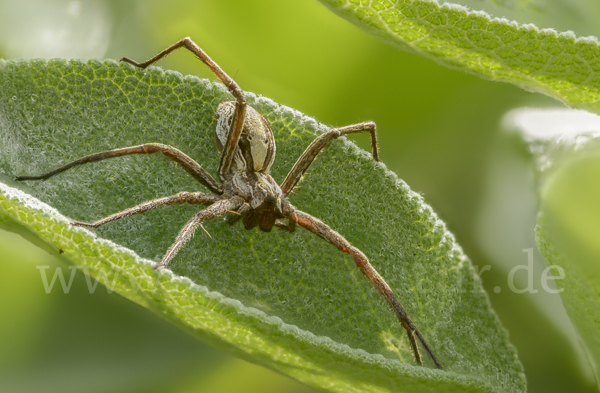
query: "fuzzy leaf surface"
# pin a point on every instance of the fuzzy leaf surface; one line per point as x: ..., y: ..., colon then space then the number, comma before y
x: 288, y: 301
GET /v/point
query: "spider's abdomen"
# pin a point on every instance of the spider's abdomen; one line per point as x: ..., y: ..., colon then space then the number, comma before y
x: 256, y: 148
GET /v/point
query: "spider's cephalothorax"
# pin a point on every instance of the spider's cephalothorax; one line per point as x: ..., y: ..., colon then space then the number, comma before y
x: 263, y: 199
x: 247, y: 150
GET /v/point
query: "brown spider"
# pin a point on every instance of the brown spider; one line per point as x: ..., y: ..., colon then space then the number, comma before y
x: 247, y: 148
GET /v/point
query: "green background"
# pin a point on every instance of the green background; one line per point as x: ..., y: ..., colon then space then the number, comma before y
x: 439, y: 131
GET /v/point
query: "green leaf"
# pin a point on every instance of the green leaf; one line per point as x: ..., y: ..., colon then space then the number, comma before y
x: 288, y: 301
x: 557, y: 64
x: 579, y: 16
x: 566, y: 151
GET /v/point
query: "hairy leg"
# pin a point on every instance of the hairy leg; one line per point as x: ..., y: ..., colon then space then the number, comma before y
x: 319, y: 143
x: 181, y: 197
x: 191, y: 166
x: 215, y: 210
x: 325, y: 232
x: 233, y: 136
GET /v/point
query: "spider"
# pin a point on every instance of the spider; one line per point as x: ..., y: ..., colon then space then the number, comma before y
x: 247, y: 149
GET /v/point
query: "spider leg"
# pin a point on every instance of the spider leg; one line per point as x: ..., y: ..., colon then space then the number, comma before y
x: 288, y: 227
x: 325, y: 232
x: 191, y: 166
x: 182, y: 197
x: 319, y: 143
x: 233, y: 136
x: 216, y: 209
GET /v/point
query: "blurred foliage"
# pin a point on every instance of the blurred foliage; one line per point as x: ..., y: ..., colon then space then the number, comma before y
x: 438, y: 131
x: 565, y: 153
x: 558, y: 64
x: 568, y: 231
